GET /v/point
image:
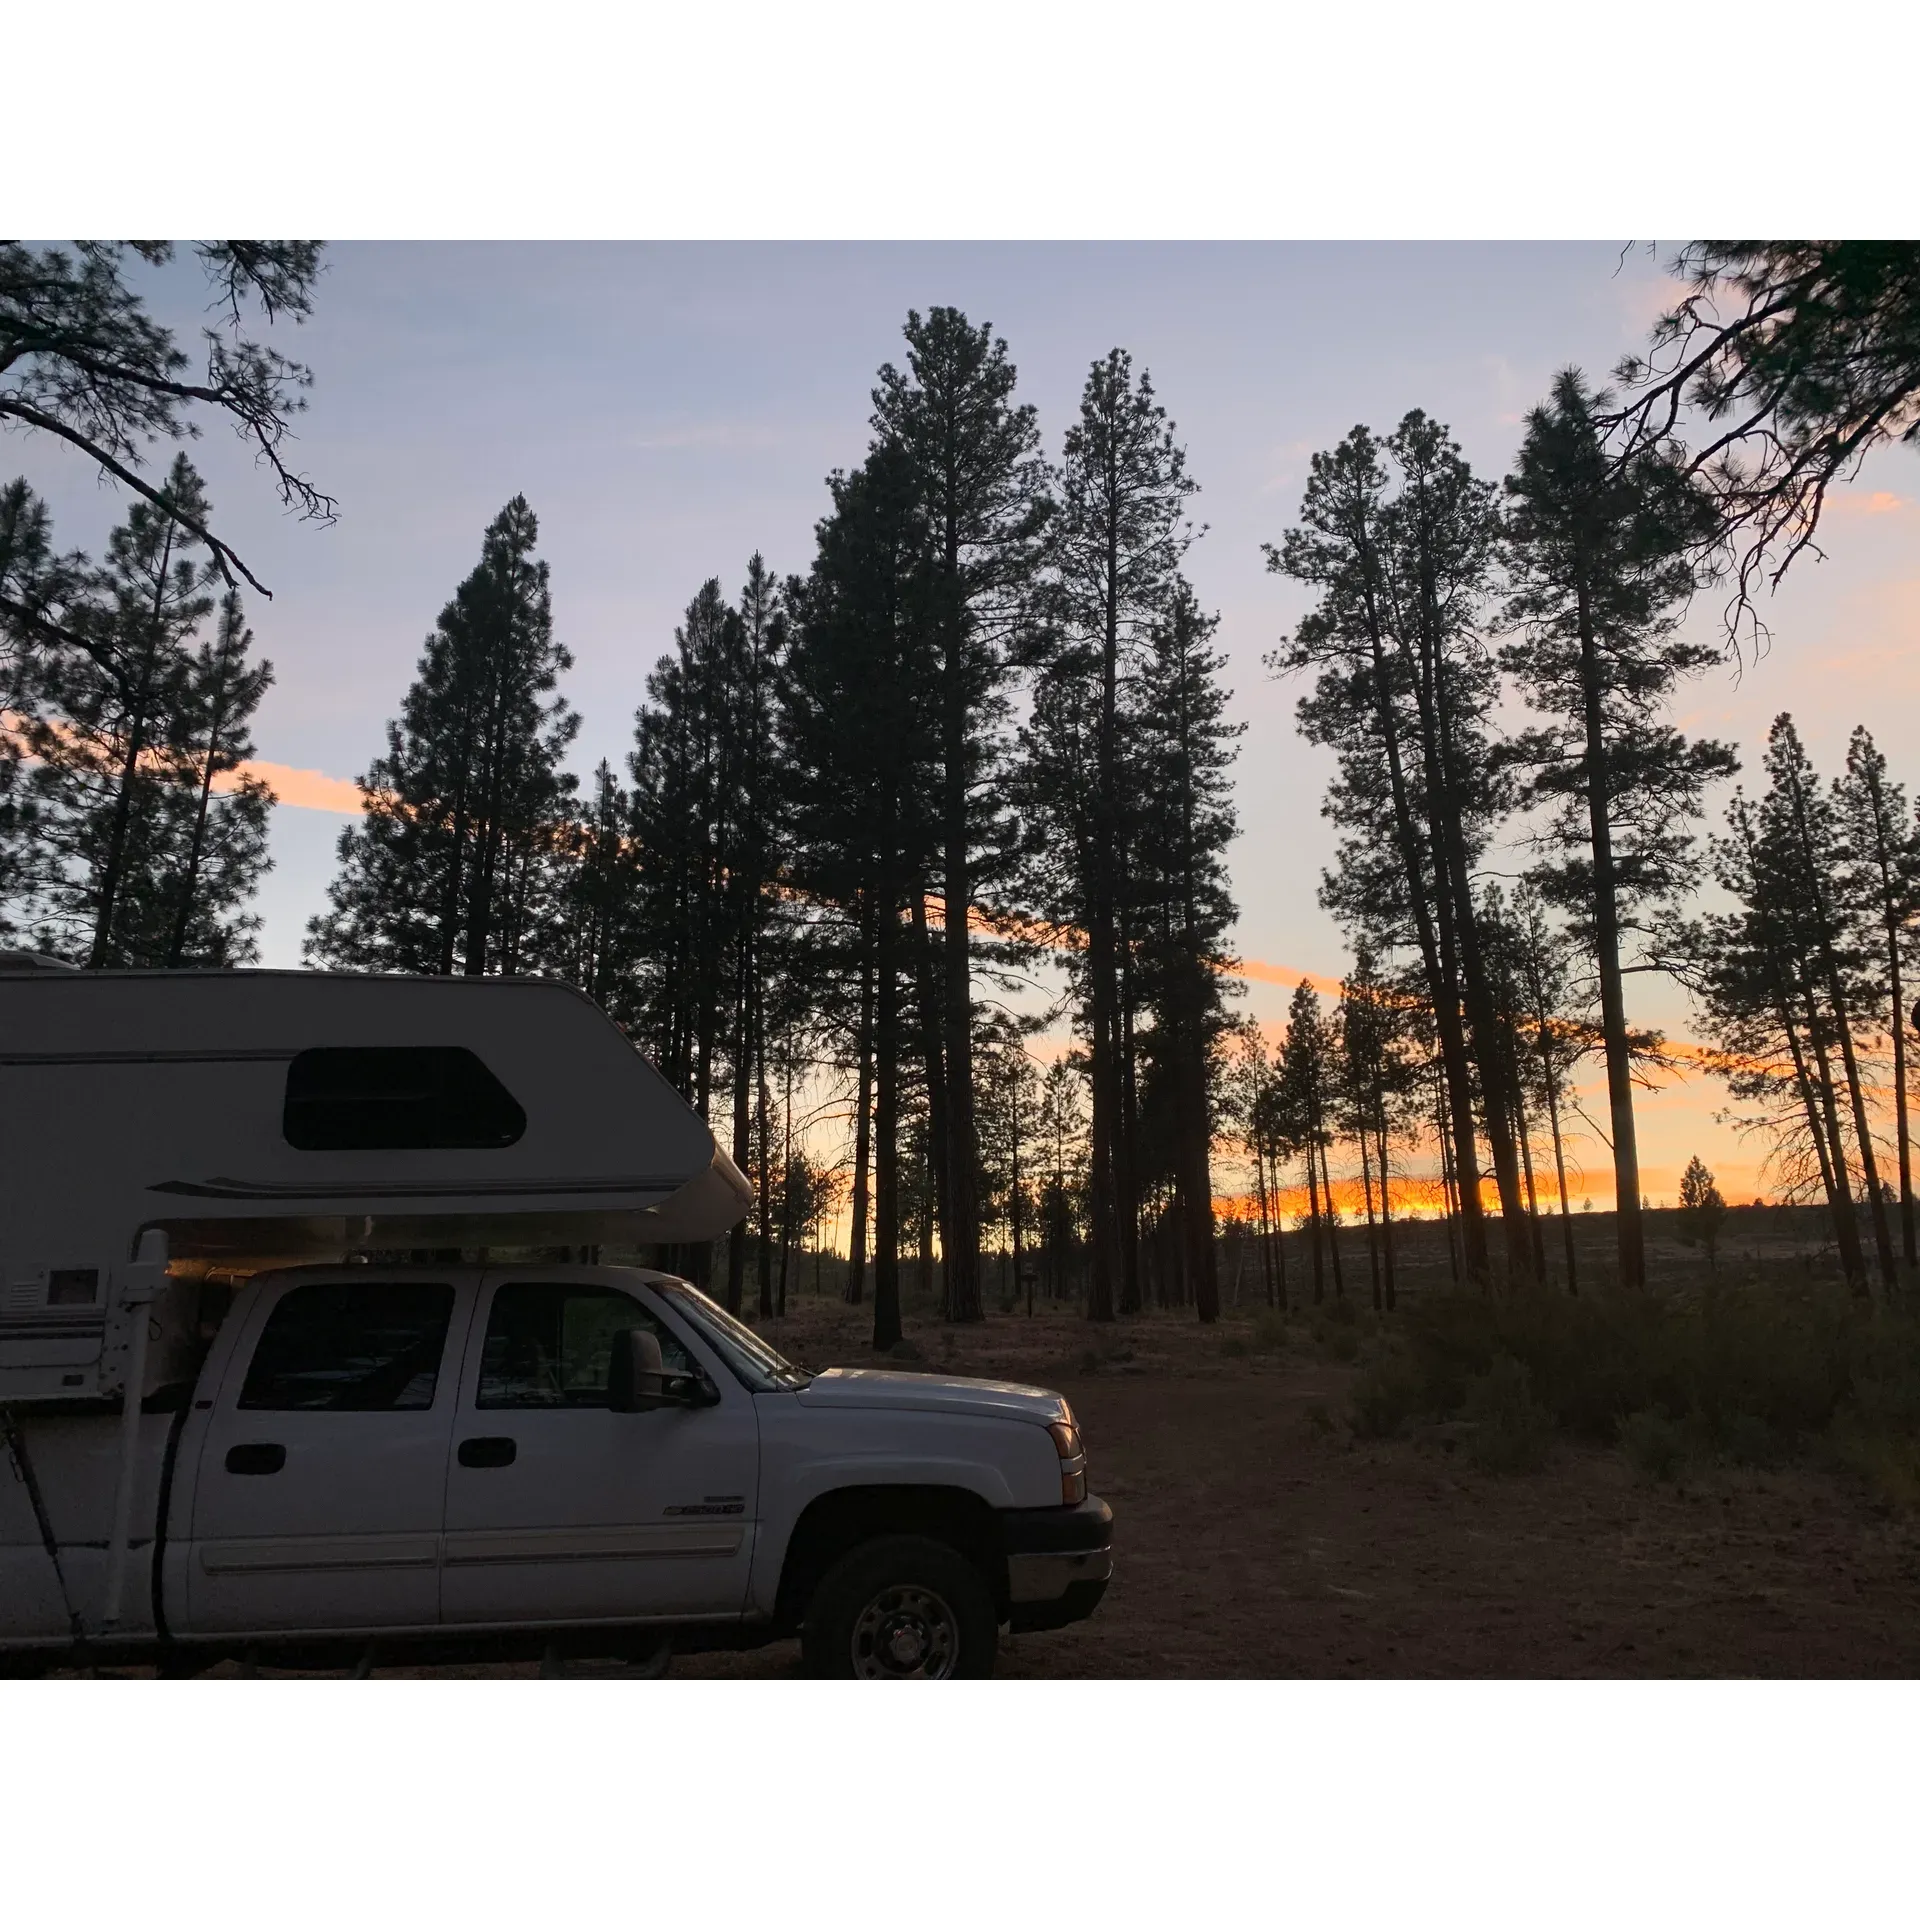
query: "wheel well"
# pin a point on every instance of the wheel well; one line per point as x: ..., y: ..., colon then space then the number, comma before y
x: 840, y: 1520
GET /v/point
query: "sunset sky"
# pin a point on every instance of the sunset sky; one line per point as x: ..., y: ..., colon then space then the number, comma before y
x: 668, y: 409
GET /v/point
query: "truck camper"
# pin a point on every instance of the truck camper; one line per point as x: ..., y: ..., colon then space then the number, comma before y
x: 277, y: 1371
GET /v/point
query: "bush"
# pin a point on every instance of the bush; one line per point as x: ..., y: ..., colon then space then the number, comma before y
x: 1654, y: 1444
x: 1389, y: 1395
x: 1511, y: 1428
x: 1270, y: 1331
x: 1749, y: 1373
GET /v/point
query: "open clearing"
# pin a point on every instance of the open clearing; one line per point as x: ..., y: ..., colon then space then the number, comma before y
x: 1255, y: 1536
x: 1252, y: 1541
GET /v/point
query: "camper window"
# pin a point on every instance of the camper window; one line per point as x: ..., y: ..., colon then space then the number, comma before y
x: 357, y: 1099
x: 368, y: 1347
x: 550, y: 1345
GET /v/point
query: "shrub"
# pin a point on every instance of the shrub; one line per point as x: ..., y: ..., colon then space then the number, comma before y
x: 1654, y: 1444
x: 1387, y: 1396
x: 1270, y: 1331
x: 1511, y: 1428
x: 1748, y: 1372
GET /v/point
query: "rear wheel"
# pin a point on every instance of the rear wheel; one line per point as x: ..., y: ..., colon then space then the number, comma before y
x: 901, y: 1608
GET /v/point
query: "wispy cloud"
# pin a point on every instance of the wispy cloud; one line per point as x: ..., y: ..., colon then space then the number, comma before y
x: 1855, y: 503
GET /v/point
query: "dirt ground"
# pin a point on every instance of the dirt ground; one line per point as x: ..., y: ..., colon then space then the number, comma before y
x: 1255, y: 1537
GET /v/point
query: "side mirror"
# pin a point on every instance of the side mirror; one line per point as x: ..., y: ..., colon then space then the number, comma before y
x: 636, y: 1373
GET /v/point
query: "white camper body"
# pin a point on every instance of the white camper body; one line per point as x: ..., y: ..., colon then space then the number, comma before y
x: 229, y: 1423
x: 262, y: 1118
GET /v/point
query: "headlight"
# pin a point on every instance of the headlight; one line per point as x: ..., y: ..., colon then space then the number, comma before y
x: 1073, y: 1461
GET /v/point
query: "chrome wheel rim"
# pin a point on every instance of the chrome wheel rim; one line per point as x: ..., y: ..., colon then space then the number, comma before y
x: 905, y: 1633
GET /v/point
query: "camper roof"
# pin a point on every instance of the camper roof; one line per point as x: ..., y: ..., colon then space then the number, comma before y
x: 262, y: 1115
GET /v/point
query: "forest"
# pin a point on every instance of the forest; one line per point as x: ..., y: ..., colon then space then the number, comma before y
x: 967, y: 782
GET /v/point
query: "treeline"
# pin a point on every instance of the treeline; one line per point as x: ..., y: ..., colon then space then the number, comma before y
x: 986, y: 724
x: 1442, y: 604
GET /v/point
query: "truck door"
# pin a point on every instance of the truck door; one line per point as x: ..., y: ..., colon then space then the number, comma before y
x: 317, y: 1500
x: 558, y: 1508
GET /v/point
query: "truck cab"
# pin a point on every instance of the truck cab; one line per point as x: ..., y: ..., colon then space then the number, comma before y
x: 445, y: 1455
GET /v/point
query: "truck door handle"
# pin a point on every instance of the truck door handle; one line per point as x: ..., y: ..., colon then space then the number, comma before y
x: 265, y: 1456
x: 490, y: 1450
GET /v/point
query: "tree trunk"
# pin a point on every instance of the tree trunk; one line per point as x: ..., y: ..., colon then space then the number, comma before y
x: 1559, y: 1157
x: 862, y: 1120
x: 933, y: 1053
x: 742, y: 1118
x: 886, y: 1128
x: 1366, y: 1191
x: 1386, y: 1215
x: 763, y: 1262
x: 1629, y: 1228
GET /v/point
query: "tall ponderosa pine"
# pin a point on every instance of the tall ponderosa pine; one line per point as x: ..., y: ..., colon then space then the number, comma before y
x: 1403, y: 693
x: 1801, y: 850
x: 1184, y: 822
x: 469, y: 798
x: 1115, y: 553
x: 1602, y: 554
x: 1307, y: 1092
x: 1883, y: 875
x: 972, y: 459
x: 863, y: 739
x: 146, y: 842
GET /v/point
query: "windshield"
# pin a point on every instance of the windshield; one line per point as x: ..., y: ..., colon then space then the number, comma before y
x: 756, y: 1364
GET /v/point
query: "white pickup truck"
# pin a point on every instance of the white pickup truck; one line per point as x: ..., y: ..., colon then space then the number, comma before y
x: 436, y: 1459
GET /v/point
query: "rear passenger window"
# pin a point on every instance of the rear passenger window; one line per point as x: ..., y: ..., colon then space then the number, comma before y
x: 382, y: 1098
x: 550, y: 1345
x: 354, y: 1348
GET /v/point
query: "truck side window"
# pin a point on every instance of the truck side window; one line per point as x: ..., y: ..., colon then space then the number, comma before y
x: 369, y: 1348
x: 375, y: 1099
x: 548, y: 1344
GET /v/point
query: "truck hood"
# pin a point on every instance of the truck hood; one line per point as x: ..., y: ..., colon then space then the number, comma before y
x: 930, y: 1393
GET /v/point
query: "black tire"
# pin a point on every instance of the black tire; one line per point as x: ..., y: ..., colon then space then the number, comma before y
x: 886, y: 1600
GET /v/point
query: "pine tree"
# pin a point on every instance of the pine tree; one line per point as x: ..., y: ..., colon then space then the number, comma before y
x: 216, y: 872
x: 1184, y: 906
x: 107, y: 713
x: 1801, y: 356
x: 1762, y: 1007
x: 1115, y: 551
x: 1602, y: 555
x: 1306, y: 1100
x: 975, y: 474
x: 1800, y: 849
x: 470, y: 791
x: 588, y: 929
x: 38, y: 588
x: 862, y: 739
x: 1403, y: 693
x: 1883, y: 871
x: 83, y: 362
x: 1703, y: 1210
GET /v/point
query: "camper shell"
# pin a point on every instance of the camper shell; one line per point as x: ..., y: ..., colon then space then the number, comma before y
x: 266, y: 1119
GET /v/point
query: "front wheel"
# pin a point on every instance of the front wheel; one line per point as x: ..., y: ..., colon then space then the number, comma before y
x: 902, y: 1608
